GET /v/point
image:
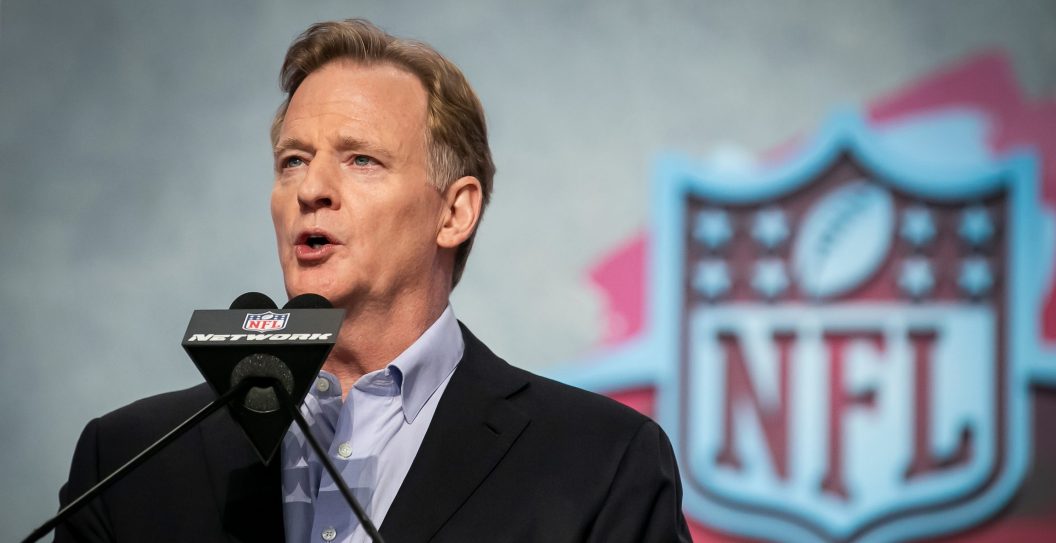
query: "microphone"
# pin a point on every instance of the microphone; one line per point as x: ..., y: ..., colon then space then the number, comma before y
x: 304, y: 301
x: 261, y: 415
x: 254, y: 300
x: 255, y: 341
x: 284, y: 378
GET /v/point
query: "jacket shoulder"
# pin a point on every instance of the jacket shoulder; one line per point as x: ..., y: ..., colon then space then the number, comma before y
x: 571, y: 403
x: 561, y: 408
x: 145, y: 420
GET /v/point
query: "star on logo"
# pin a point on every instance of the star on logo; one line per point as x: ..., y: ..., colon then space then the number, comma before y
x: 975, y: 278
x: 712, y: 228
x: 916, y: 278
x: 976, y: 227
x: 769, y: 278
x: 770, y: 228
x: 712, y: 278
x: 918, y: 228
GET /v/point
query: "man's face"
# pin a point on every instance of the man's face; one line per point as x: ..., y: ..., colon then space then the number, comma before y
x: 355, y: 215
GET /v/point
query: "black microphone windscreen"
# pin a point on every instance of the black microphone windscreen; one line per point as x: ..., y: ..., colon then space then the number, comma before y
x: 253, y: 300
x: 308, y: 301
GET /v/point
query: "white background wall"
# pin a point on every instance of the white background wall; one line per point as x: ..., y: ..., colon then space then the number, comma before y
x: 135, y: 165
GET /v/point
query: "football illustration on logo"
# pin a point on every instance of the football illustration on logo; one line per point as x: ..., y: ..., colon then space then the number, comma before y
x: 843, y: 239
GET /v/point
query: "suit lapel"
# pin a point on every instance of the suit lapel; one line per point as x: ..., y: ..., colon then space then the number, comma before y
x: 473, y: 427
x: 248, y: 494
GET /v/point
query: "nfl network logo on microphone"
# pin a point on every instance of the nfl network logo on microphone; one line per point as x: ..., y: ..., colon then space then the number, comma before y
x: 265, y: 322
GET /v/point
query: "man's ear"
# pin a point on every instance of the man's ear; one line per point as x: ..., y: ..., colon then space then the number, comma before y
x: 461, y: 212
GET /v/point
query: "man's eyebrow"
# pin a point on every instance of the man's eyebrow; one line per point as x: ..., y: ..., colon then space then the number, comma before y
x: 352, y: 143
x: 289, y: 143
x: 345, y: 143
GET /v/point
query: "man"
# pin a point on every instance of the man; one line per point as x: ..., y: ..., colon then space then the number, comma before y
x: 382, y: 172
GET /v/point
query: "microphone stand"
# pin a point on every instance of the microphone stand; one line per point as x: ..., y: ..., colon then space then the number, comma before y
x: 234, y: 393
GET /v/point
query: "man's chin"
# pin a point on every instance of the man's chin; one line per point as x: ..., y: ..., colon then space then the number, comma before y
x: 336, y: 298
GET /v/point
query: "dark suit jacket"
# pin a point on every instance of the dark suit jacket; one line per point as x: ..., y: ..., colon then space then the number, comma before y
x: 509, y: 456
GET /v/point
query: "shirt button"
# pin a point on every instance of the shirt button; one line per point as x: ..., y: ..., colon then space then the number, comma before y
x: 323, y: 385
x: 329, y: 534
x: 344, y: 450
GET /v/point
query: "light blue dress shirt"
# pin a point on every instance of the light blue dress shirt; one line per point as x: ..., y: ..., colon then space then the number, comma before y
x: 372, y: 437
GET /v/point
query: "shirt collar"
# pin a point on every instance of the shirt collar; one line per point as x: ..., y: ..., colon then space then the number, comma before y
x: 418, y: 371
x: 424, y: 365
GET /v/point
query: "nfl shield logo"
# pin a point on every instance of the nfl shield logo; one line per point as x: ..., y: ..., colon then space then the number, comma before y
x: 847, y: 340
x: 265, y: 322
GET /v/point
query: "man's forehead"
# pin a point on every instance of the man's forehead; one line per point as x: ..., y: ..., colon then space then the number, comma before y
x: 343, y: 82
x: 359, y: 97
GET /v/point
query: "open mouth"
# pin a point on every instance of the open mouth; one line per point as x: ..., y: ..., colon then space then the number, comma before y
x: 315, y: 241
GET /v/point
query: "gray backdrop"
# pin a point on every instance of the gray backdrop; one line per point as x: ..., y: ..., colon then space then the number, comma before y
x: 135, y: 168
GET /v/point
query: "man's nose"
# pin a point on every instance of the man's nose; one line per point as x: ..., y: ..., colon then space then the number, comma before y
x: 318, y: 189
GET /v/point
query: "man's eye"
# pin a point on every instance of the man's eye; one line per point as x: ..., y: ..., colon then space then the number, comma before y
x: 362, y: 160
x: 292, y: 162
